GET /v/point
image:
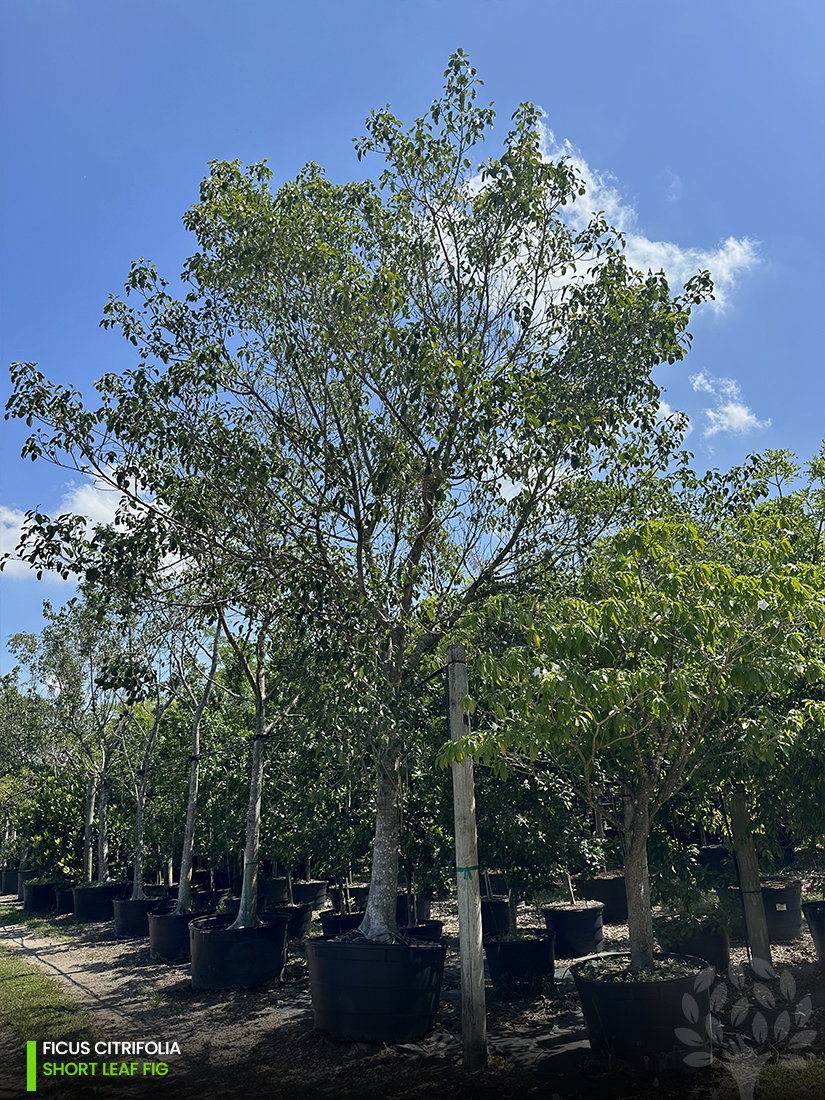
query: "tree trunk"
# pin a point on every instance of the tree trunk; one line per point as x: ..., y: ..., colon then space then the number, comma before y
x: 102, y: 830
x: 637, y: 886
x: 137, y: 858
x: 88, y: 823
x: 749, y: 884
x: 185, y: 884
x: 379, y: 924
x: 248, y: 908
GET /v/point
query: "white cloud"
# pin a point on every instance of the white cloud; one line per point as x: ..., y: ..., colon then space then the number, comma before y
x: 730, y: 414
x: 673, y: 190
x: 92, y: 500
x: 726, y: 262
x: 88, y: 499
x: 702, y: 383
x: 665, y: 410
x: 732, y: 417
x: 11, y: 529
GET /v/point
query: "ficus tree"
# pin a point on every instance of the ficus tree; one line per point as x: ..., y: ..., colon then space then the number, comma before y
x: 667, y: 652
x: 387, y: 387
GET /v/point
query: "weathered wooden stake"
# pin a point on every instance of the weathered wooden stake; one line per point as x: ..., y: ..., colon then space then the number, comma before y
x: 755, y: 920
x: 473, y: 1004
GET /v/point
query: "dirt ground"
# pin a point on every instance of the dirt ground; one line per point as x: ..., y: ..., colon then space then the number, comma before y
x: 261, y: 1042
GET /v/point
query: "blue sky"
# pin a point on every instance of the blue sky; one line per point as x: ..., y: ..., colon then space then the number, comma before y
x: 699, y: 128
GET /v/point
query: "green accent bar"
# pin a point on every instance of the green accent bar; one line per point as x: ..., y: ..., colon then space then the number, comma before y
x: 31, y: 1067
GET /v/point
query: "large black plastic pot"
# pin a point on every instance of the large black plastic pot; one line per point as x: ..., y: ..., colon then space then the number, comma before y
x: 237, y: 958
x: 495, y: 916
x: 310, y: 893
x: 275, y: 892
x: 96, y: 903
x: 38, y: 897
x: 520, y: 966
x: 636, y: 1023
x: 132, y: 917
x: 815, y: 916
x: 578, y: 931
x: 425, y: 930
x: 9, y: 882
x: 299, y: 917
x: 24, y: 876
x: 711, y: 944
x: 781, y: 899
x: 63, y: 900
x: 783, y: 910
x: 169, y: 934
x: 375, y: 992
x: 208, y: 899
x: 607, y: 887
x: 335, y: 924
x: 359, y: 895
x: 716, y: 858
x: 497, y: 883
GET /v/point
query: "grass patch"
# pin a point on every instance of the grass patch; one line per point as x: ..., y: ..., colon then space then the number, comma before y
x: 795, y: 1079
x: 38, y: 925
x: 34, y: 1006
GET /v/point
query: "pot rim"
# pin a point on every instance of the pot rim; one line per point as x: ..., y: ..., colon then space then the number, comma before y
x: 573, y: 907
x: 224, y: 923
x: 701, y: 965
x: 336, y: 944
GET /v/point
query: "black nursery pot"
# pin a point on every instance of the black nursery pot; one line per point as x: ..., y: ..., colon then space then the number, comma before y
x: 815, y: 916
x: 712, y: 944
x: 8, y: 885
x: 716, y: 858
x: 310, y: 893
x: 298, y: 916
x: 637, y: 1023
x: 495, y: 916
x: 521, y: 966
x: 169, y: 934
x: 63, y: 900
x: 96, y: 903
x: 578, y: 931
x: 275, y: 892
x: 335, y: 924
x: 609, y: 888
x: 132, y: 917
x: 38, y: 897
x: 783, y: 910
x: 375, y: 992
x: 429, y: 930
x: 237, y: 958
x: 21, y: 877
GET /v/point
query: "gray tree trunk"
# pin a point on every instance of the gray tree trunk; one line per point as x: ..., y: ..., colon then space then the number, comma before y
x: 637, y: 885
x: 248, y: 908
x: 137, y: 856
x: 88, y: 826
x: 102, y: 830
x: 185, y: 884
x: 379, y: 920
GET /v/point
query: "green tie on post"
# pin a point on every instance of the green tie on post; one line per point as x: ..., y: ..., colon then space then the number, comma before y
x: 31, y: 1066
x: 468, y: 871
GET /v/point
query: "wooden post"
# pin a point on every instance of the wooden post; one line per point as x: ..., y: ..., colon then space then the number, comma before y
x: 473, y: 1004
x: 755, y: 920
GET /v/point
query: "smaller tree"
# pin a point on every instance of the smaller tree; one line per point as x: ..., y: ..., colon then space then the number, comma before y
x: 669, y: 651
